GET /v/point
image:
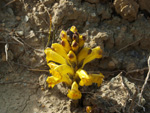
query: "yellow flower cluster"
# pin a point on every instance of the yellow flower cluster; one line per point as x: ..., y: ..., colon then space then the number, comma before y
x: 66, y: 62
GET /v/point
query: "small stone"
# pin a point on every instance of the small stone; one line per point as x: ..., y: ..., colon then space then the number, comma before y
x: 93, y: 14
x: 25, y: 84
x: 20, y: 33
x: 32, y: 34
x: 18, y: 18
x: 26, y: 18
x: 111, y: 65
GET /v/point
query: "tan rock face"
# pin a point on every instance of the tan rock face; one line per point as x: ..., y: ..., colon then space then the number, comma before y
x: 144, y: 5
x: 128, y: 9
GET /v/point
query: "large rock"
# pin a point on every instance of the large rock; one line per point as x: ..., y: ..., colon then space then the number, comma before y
x: 144, y: 5
x: 128, y: 9
x: 114, y: 97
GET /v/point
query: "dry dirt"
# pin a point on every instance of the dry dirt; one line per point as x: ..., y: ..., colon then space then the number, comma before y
x: 120, y: 27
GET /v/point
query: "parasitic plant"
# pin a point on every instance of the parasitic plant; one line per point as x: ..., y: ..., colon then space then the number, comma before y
x: 67, y: 60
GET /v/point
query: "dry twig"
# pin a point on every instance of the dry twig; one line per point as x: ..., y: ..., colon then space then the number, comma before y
x: 146, y: 79
x: 128, y: 45
x: 38, y: 70
x: 9, y: 3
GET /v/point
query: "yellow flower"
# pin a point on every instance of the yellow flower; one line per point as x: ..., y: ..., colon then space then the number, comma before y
x: 89, y: 79
x: 81, y: 40
x: 88, y: 109
x: 57, y: 78
x: 53, y: 56
x: 62, y: 72
x: 52, y: 81
x: 97, y: 78
x: 96, y: 53
x: 66, y: 62
x: 63, y: 34
x: 75, y: 46
x: 73, y: 29
x: 52, y: 65
x: 66, y: 45
x: 72, y: 58
x: 84, y: 52
x: 58, y: 48
x: 74, y: 93
x: 85, y: 78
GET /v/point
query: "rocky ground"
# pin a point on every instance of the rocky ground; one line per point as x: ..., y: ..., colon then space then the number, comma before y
x: 120, y: 27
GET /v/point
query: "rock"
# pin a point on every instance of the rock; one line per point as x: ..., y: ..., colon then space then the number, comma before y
x: 26, y: 18
x: 115, y: 95
x: 20, y: 33
x: 18, y: 18
x: 128, y: 9
x: 31, y: 34
x: 111, y: 65
x: 92, y: 1
x: 144, y: 5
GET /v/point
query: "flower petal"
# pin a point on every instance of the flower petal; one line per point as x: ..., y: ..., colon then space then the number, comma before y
x: 72, y: 58
x: 74, y: 93
x: 63, y: 34
x: 66, y: 45
x: 83, y: 54
x: 97, y: 78
x: 85, y: 78
x: 64, y: 69
x: 75, y: 46
x: 96, y: 53
x: 58, y: 48
x: 73, y: 29
x: 53, y: 56
x: 52, y: 65
x: 81, y: 41
x: 52, y: 81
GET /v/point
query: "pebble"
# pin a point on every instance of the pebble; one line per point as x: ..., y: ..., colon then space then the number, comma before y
x: 93, y: 15
x: 32, y: 34
x: 18, y: 18
x: 20, y: 33
x: 26, y: 18
x: 25, y: 84
x: 111, y: 65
